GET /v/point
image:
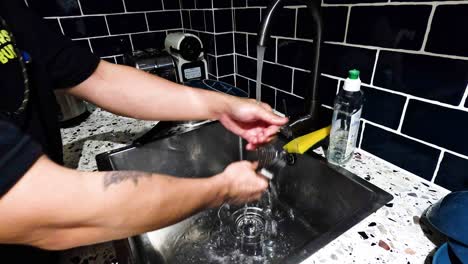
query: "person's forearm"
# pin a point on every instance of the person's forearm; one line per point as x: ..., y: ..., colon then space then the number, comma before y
x: 72, y: 208
x: 130, y: 92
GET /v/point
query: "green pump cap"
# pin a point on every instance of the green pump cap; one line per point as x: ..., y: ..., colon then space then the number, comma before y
x: 354, y: 74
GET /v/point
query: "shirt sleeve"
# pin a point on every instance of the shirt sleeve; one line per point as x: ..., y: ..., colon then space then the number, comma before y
x: 67, y: 63
x: 18, y: 152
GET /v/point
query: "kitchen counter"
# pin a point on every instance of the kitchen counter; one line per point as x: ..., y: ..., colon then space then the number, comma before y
x: 391, y: 235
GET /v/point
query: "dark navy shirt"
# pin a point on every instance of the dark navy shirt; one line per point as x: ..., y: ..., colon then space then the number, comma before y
x: 51, y: 62
x: 29, y: 130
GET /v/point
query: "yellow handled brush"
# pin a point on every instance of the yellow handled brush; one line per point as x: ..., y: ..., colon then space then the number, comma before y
x: 301, y: 144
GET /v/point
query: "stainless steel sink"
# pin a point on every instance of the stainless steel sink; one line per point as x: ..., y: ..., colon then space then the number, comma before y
x: 324, y: 200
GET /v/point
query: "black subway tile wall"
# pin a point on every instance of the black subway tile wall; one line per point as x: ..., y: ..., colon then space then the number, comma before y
x: 142, y: 5
x: 101, y: 7
x: 50, y: 8
x: 442, y: 126
x: 401, y: 151
x: 412, y: 54
x: 400, y: 26
x: 452, y: 173
x: 430, y: 77
x: 338, y: 59
x: 127, y: 23
x: 382, y: 107
x: 213, y: 21
x: 413, y: 58
x: 110, y: 28
x: 446, y: 38
x: 149, y: 40
x: 83, y: 27
x: 164, y: 20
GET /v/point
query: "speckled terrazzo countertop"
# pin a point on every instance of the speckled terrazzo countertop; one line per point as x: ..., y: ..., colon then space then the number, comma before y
x: 391, y: 235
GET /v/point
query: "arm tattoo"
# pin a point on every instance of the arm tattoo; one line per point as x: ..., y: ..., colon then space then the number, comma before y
x: 116, y: 177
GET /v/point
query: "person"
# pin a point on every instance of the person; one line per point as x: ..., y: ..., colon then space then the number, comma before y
x: 45, y: 205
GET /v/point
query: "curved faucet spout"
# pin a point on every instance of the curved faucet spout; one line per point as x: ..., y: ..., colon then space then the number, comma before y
x: 311, y: 97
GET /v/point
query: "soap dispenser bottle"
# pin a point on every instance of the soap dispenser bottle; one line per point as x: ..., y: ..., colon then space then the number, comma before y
x: 346, y: 119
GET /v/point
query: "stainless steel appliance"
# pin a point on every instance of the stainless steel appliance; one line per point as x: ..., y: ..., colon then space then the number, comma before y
x: 187, y: 50
x: 72, y: 110
x: 153, y: 61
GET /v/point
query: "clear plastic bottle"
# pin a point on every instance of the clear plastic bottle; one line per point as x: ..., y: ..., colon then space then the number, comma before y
x: 346, y: 119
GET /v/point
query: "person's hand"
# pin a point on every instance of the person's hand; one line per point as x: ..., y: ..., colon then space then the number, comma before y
x: 254, y: 122
x: 241, y: 183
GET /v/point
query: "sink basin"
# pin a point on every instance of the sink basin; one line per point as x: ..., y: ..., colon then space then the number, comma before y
x: 324, y: 200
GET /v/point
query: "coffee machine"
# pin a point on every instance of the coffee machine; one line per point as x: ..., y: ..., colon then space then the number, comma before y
x: 187, y: 51
x: 153, y: 61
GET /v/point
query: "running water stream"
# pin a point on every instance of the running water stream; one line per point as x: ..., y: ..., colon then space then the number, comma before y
x: 260, y: 57
x: 254, y: 225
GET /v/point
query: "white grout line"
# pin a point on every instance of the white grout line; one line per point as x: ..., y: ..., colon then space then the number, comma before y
x: 117, y: 13
x: 260, y: 15
x: 125, y: 6
x: 107, y: 25
x: 362, y: 134
x: 90, y: 46
x: 278, y: 37
x: 347, y: 24
x: 397, y: 3
x: 292, y: 83
x: 428, y: 28
x: 204, y: 22
x: 147, y: 24
x: 247, y: 44
x: 60, y: 25
x: 436, y: 171
x: 214, y: 21
x: 295, y: 24
x: 276, y: 51
x: 375, y: 66
x: 190, y: 19
x: 397, y: 50
x: 131, y: 41
x: 464, y: 98
x: 227, y: 75
x: 234, y: 61
x: 79, y: 5
x: 403, y: 114
x: 162, y: 4
x: 223, y: 55
x: 26, y: 3
x: 181, y: 14
x: 215, y: 45
x: 289, y: 38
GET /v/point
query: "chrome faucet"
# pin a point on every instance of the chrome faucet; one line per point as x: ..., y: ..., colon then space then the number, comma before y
x: 308, y: 122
